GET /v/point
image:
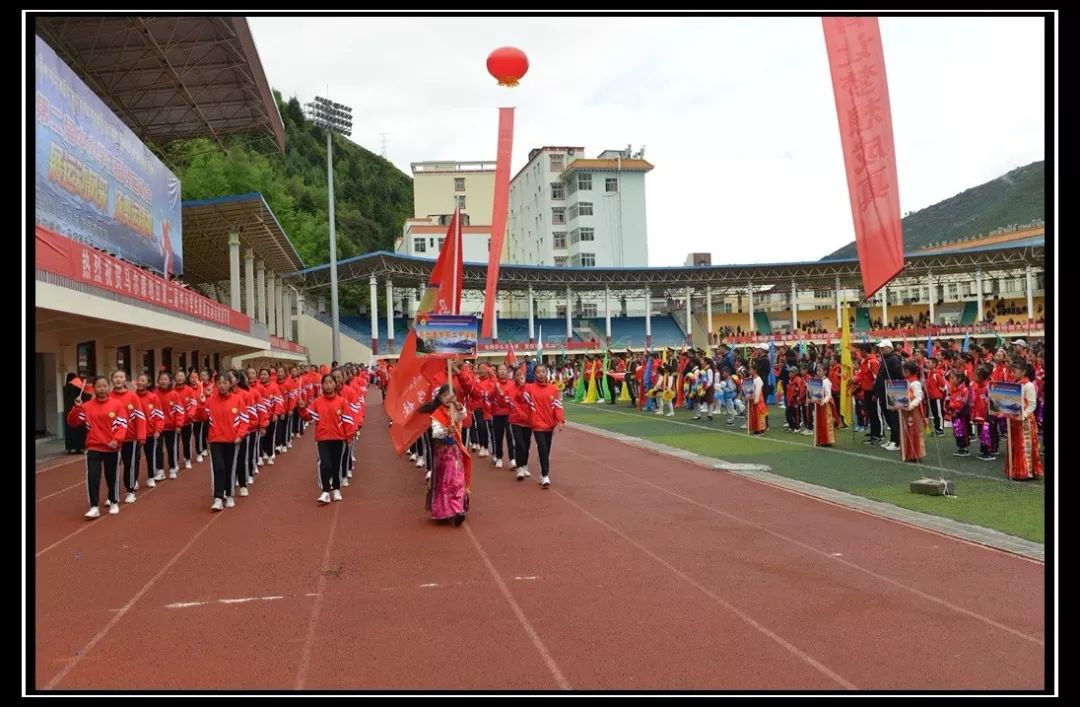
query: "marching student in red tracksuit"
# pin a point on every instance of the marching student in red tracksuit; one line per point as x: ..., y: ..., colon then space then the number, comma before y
x: 154, y: 416
x: 275, y: 409
x: 106, y: 427
x: 224, y: 411
x: 334, y: 425
x: 346, y: 391
x: 189, y: 400
x: 546, y: 407
x: 476, y: 407
x: 487, y: 388
x: 520, y: 423
x: 136, y: 431
x: 501, y: 406
x: 255, y: 421
x: 173, y: 408
x: 284, y: 430
x: 244, y: 466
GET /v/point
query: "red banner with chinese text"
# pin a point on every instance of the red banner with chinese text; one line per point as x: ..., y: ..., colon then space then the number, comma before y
x: 498, y: 217
x: 857, y: 64
x: 68, y: 258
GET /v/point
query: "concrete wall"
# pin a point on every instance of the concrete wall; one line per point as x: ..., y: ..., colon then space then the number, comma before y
x: 318, y: 338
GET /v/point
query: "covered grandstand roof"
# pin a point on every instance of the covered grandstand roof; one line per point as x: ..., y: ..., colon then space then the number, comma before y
x: 170, y: 76
x: 412, y: 271
x: 208, y: 223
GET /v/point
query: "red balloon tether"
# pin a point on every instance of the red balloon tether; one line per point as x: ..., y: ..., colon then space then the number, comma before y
x: 507, y: 65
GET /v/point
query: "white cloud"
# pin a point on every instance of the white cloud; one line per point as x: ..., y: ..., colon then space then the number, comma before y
x: 737, y: 112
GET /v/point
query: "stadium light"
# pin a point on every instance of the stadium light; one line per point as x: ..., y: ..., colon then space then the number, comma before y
x: 333, y: 118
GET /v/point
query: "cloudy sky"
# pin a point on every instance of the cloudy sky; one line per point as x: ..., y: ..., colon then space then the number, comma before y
x: 736, y: 114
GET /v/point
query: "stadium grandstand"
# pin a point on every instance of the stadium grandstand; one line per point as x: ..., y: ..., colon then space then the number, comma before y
x: 982, y: 289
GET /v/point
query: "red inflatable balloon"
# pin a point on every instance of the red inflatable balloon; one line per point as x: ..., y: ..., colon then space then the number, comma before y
x: 507, y: 65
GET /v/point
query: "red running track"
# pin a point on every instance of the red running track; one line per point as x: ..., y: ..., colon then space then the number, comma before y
x: 634, y: 571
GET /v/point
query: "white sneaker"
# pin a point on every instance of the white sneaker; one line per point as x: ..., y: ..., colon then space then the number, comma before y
x: 151, y: 483
x: 427, y: 476
x: 217, y: 505
x: 353, y: 459
x: 412, y: 457
x: 243, y: 491
x: 187, y: 464
x: 94, y: 512
x: 670, y: 414
x: 498, y: 464
x: 199, y: 459
x: 230, y: 502
x: 172, y: 473
x: 337, y: 495
x: 160, y: 476
x: 521, y: 475
x: 289, y: 445
x: 742, y: 427
x: 483, y: 452
x: 513, y: 466
x: 130, y: 498
x: 527, y: 473
x: 348, y: 474
x: 420, y: 463
x: 324, y: 498
x: 807, y: 432
x: 545, y: 481
x: 661, y: 412
x: 345, y: 481
x: 136, y: 487
x: 890, y: 447
x: 114, y: 509
x: 261, y: 462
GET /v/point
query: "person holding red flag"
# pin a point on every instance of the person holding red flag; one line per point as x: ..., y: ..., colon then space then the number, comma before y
x: 106, y: 428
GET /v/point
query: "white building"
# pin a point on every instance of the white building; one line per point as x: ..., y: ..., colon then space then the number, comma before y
x: 569, y: 210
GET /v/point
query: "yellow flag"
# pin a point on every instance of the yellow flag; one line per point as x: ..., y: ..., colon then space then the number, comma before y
x: 846, y: 372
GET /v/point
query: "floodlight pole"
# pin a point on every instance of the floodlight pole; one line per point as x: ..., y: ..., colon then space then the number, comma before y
x: 332, y: 117
x: 335, y: 324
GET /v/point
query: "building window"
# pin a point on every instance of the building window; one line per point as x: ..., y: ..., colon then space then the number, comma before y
x: 571, y: 187
x: 952, y: 289
x: 584, y: 260
x: 441, y: 242
x: 419, y: 245
x: 461, y: 202
x: 559, y: 239
x: 588, y: 309
x: 584, y: 208
x: 558, y: 215
x: 611, y: 184
x: 459, y: 183
x: 582, y: 234
x: 560, y: 261
x: 431, y: 241
x: 558, y: 191
x: 556, y: 163
x: 584, y: 181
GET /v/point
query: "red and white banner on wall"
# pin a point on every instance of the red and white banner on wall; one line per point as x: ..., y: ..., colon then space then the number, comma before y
x: 857, y: 63
x: 498, y: 217
x: 62, y: 256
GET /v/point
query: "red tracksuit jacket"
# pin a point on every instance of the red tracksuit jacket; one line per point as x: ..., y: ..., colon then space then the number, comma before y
x: 104, y: 422
x: 227, y: 415
x: 152, y: 411
x: 333, y: 418
x: 136, y: 426
x: 546, y: 406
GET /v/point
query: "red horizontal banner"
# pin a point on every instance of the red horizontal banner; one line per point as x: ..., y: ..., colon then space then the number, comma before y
x: 62, y: 256
x: 276, y: 342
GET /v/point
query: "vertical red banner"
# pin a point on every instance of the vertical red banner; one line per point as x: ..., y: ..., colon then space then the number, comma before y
x: 857, y: 63
x: 498, y: 216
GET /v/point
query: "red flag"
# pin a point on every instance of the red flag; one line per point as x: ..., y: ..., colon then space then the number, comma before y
x: 511, y: 359
x: 498, y: 216
x: 857, y: 63
x: 76, y: 382
x: 413, y: 379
